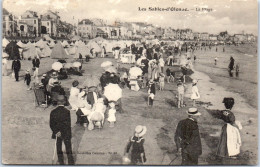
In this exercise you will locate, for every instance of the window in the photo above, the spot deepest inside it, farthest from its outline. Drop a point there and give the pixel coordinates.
(47, 23)
(34, 21)
(47, 29)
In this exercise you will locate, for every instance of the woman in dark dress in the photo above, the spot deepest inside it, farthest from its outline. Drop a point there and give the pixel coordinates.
(229, 118)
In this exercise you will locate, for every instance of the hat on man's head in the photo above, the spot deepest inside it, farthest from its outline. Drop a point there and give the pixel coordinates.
(61, 100)
(193, 111)
(140, 130)
(151, 81)
(44, 75)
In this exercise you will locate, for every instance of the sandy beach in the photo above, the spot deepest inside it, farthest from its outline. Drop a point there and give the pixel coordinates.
(27, 137)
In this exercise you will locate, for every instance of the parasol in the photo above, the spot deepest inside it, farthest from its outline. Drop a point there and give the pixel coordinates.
(91, 81)
(68, 65)
(111, 69)
(113, 92)
(76, 64)
(106, 64)
(56, 66)
(135, 71)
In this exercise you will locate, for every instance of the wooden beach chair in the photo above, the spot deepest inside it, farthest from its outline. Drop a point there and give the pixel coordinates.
(40, 99)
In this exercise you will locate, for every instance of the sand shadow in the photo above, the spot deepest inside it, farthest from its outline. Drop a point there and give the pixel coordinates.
(171, 102)
(115, 159)
(77, 134)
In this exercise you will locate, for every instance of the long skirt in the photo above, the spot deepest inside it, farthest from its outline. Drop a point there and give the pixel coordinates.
(222, 150)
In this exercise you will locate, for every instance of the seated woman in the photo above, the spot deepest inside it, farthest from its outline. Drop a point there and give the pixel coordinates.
(54, 78)
(84, 109)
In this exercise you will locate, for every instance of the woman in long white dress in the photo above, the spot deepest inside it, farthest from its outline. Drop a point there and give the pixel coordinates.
(74, 92)
(195, 92)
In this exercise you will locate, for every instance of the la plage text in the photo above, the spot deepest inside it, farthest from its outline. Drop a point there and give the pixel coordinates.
(168, 9)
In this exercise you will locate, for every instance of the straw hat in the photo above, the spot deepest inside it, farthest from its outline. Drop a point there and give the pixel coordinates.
(140, 130)
(151, 81)
(193, 111)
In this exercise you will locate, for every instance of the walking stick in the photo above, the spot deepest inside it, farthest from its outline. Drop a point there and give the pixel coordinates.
(54, 151)
(174, 159)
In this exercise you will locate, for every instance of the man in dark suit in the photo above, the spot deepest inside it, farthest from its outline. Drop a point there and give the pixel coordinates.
(187, 138)
(60, 124)
(36, 64)
(16, 66)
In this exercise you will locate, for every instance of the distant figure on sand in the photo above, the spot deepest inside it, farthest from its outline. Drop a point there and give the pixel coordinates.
(195, 92)
(216, 59)
(231, 66)
(237, 69)
(194, 58)
(180, 88)
(16, 66)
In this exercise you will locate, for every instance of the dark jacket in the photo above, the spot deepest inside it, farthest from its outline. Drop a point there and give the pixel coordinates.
(152, 88)
(16, 65)
(36, 62)
(60, 122)
(187, 137)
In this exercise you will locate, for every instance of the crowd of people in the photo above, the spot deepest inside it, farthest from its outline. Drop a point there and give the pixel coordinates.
(92, 107)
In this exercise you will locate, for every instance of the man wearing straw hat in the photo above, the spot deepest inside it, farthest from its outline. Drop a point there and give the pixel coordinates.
(187, 138)
(60, 124)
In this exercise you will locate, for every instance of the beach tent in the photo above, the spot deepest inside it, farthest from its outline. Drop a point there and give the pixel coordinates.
(58, 52)
(72, 50)
(12, 49)
(47, 37)
(84, 50)
(75, 38)
(5, 42)
(108, 46)
(20, 44)
(30, 52)
(41, 44)
(46, 51)
(51, 44)
(65, 43)
(94, 45)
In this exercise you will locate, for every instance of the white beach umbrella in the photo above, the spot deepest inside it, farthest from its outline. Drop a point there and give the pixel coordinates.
(135, 71)
(76, 64)
(106, 64)
(113, 92)
(56, 66)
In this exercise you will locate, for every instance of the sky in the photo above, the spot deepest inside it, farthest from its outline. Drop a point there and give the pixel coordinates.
(233, 16)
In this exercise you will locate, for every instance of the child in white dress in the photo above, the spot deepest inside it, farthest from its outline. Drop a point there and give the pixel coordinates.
(111, 115)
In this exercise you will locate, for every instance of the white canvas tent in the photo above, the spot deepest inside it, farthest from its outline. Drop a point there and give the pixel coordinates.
(5, 42)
